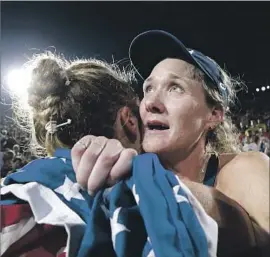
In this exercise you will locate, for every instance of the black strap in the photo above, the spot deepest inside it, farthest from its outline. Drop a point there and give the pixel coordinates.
(211, 171)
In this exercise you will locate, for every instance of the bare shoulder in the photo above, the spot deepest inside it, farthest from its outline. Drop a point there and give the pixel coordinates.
(242, 167)
(241, 164)
(245, 179)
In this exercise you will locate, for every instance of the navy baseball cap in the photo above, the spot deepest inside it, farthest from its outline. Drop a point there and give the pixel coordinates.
(151, 47)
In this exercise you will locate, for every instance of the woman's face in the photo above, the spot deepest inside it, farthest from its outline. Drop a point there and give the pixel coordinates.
(173, 111)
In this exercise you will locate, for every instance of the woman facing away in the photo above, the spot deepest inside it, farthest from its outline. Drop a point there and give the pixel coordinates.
(185, 116)
(66, 101)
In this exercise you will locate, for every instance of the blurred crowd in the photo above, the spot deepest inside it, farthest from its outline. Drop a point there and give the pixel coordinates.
(14, 152)
(254, 130)
(254, 136)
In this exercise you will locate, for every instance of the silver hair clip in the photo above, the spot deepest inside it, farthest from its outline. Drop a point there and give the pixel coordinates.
(67, 83)
(65, 75)
(52, 127)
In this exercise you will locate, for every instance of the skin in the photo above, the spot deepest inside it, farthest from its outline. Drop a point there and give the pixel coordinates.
(174, 98)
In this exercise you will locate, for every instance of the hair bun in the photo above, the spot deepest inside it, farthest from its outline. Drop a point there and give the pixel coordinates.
(48, 78)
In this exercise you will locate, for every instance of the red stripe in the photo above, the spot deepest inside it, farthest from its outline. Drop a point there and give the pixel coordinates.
(40, 252)
(43, 240)
(12, 214)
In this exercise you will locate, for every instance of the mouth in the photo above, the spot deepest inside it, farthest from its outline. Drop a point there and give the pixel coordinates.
(156, 126)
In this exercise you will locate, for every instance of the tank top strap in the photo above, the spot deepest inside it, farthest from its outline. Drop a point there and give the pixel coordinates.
(211, 171)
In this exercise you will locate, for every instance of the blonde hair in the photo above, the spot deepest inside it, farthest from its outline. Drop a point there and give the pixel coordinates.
(90, 92)
(224, 138)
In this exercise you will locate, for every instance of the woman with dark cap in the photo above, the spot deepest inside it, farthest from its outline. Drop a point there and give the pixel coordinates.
(185, 116)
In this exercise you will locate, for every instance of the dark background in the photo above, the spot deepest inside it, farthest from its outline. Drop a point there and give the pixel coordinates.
(235, 34)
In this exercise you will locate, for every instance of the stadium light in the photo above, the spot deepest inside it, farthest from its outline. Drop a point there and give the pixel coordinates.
(263, 88)
(18, 81)
(268, 87)
(257, 89)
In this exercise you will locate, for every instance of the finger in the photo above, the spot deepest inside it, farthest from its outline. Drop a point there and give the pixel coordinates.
(104, 164)
(89, 158)
(78, 150)
(122, 167)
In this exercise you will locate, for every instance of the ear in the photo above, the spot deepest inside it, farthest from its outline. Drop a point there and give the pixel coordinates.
(129, 123)
(216, 117)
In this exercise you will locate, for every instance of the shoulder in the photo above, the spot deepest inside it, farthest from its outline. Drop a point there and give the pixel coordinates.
(245, 165)
(245, 179)
(244, 162)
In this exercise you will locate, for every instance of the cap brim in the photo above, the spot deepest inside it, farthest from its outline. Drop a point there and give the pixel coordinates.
(149, 48)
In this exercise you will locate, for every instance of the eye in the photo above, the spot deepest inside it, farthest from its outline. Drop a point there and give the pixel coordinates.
(176, 88)
(147, 88)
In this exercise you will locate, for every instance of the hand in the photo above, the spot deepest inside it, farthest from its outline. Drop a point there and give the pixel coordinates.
(98, 161)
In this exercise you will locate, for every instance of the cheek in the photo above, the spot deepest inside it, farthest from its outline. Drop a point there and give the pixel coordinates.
(189, 115)
(197, 110)
(182, 110)
(142, 110)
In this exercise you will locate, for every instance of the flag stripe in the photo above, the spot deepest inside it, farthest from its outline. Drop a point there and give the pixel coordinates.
(40, 239)
(12, 214)
(12, 233)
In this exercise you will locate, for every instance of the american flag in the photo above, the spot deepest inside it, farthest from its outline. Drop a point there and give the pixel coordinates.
(44, 212)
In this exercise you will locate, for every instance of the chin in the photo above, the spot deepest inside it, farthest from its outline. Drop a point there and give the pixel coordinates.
(154, 147)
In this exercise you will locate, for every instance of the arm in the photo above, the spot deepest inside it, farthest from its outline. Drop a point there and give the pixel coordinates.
(245, 179)
(235, 228)
(216, 204)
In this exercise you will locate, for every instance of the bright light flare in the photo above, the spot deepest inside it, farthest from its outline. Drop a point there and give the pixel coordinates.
(257, 89)
(263, 88)
(17, 82)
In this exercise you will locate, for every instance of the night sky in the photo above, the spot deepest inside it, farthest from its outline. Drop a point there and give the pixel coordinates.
(235, 34)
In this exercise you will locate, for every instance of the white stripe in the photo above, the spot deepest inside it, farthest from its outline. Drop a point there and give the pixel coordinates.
(14, 232)
(47, 208)
(208, 224)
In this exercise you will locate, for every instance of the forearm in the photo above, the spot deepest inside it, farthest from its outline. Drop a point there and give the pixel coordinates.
(235, 226)
(216, 204)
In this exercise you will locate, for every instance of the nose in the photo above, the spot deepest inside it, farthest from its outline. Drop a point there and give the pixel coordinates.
(154, 104)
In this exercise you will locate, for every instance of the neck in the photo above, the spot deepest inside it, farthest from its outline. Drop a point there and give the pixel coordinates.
(187, 164)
